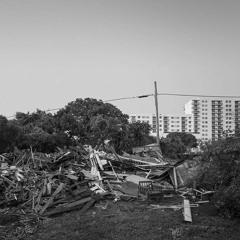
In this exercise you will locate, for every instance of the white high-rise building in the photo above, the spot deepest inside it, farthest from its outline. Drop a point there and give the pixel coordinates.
(212, 117)
(205, 118)
(167, 123)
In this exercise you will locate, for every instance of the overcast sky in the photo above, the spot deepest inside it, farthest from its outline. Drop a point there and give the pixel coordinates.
(54, 51)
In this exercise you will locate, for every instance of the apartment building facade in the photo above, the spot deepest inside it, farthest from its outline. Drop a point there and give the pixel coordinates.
(167, 123)
(205, 118)
(213, 117)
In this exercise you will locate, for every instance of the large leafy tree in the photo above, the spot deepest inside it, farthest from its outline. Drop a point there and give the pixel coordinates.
(10, 134)
(40, 131)
(177, 143)
(133, 135)
(88, 121)
(91, 121)
(40, 120)
(187, 139)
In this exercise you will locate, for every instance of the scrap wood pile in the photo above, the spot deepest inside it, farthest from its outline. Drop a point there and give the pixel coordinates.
(38, 183)
(35, 186)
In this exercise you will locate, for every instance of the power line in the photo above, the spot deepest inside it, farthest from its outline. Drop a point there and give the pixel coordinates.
(149, 95)
(173, 94)
(116, 99)
(196, 95)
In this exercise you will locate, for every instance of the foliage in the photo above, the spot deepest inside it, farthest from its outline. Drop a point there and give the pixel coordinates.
(10, 135)
(90, 120)
(133, 135)
(187, 139)
(36, 120)
(177, 143)
(222, 174)
(36, 130)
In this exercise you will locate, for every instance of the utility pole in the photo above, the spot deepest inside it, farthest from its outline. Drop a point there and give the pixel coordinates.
(157, 115)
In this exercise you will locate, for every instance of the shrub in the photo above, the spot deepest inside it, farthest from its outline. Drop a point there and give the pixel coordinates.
(221, 173)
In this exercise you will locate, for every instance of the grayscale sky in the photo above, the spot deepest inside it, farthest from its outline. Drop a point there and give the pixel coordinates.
(54, 51)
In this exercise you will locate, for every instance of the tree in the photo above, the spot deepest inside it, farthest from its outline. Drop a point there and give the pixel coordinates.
(39, 119)
(40, 132)
(187, 139)
(133, 135)
(10, 135)
(90, 121)
(177, 143)
(172, 147)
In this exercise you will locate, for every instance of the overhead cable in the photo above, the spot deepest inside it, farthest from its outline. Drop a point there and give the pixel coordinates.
(159, 94)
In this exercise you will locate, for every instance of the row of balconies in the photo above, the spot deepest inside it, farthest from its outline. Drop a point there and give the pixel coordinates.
(217, 111)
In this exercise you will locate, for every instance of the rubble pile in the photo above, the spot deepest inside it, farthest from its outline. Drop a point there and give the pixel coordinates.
(35, 186)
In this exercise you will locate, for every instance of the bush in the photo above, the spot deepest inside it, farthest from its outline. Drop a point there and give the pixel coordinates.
(221, 173)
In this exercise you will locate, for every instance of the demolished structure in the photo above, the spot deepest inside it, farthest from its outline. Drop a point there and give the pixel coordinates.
(34, 186)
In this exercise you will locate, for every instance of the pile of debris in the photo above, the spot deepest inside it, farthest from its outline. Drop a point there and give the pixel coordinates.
(35, 186)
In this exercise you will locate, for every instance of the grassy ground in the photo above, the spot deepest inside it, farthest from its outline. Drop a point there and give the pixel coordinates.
(135, 221)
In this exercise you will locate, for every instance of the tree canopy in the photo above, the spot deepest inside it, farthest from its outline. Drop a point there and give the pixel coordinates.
(177, 143)
(187, 139)
(85, 121)
(90, 121)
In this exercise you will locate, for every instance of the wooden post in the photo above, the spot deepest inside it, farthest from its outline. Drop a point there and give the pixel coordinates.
(157, 115)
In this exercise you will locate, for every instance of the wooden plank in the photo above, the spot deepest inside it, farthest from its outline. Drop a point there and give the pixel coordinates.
(109, 185)
(87, 206)
(113, 170)
(187, 211)
(50, 200)
(98, 160)
(81, 201)
(68, 207)
(175, 179)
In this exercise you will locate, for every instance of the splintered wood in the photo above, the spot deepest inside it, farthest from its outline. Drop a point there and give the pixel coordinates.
(48, 184)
